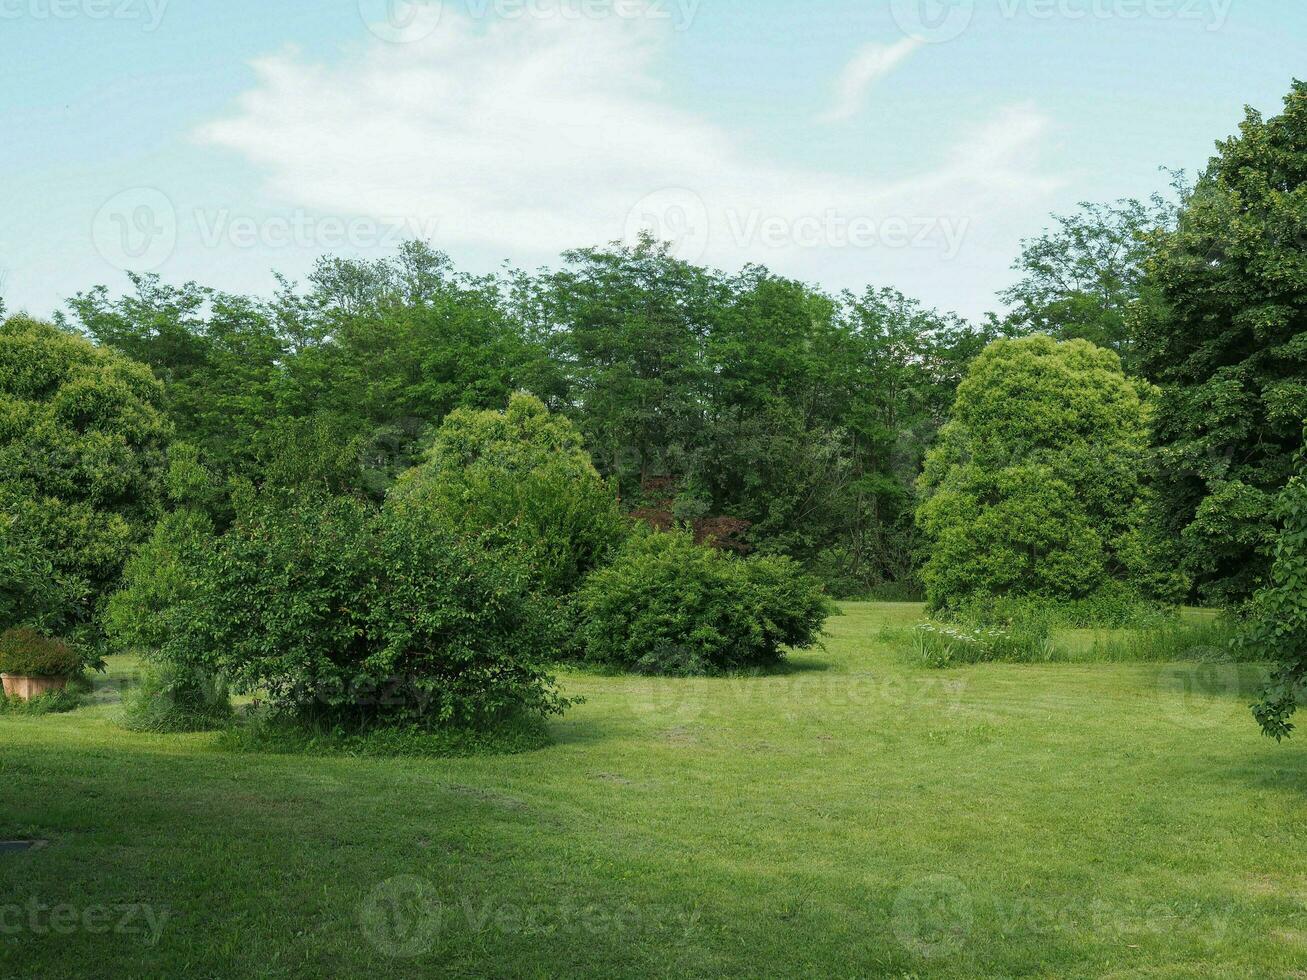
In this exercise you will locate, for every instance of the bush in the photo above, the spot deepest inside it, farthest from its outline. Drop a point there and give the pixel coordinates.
(335, 612)
(174, 699)
(520, 482)
(25, 651)
(1033, 488)
(157, 579)
(82, 438)
(669, 606)
(53, 703)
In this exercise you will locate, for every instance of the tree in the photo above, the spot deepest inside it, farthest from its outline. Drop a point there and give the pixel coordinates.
(1277, 626)
(82, 456)
(627, 325)
(1034, 486)
(521, 483)
(219, 357)
(1082, 278)
(1228, 349)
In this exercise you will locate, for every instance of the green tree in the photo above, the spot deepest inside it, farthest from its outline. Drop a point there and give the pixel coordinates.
(1277, 626)
(1082, 278)
(521, 483)
(82, 456)
(1034, 486)
(1229, 350)
(219, 356)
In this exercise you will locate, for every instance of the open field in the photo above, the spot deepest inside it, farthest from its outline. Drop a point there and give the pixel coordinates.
(854, 816)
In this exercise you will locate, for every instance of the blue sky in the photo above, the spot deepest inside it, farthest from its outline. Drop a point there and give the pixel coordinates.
(909, 143)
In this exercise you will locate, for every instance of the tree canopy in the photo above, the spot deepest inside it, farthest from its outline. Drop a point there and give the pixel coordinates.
(1228, 348)
(1034, 487)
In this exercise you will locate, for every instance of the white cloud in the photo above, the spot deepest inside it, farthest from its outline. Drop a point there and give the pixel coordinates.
(871, 63)
(528, 136)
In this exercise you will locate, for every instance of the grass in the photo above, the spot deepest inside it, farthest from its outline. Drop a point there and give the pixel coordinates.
(855, 816)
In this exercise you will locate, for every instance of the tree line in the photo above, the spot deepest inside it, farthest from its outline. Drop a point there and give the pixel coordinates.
(764, 414)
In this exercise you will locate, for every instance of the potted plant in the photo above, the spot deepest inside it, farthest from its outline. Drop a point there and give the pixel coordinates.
(32, 664)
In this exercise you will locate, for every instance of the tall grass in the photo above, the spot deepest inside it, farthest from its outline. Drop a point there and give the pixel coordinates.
(1053, 634)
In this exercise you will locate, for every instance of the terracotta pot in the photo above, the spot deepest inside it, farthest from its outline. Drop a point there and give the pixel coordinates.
(26, 688)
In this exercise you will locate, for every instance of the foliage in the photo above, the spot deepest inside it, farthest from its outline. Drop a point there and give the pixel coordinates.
(25, 651)
(521, 483)
(793, 419)
(82, 440)
(50, 703)
(1034, 486)
(1229, 351)
(953, 644)
(157, 581)
(32, 591)
(331, 610)
(1277, 622)
(1085, 278)
(770, 415)
(175, 699)
(669, 606)
(218, 356)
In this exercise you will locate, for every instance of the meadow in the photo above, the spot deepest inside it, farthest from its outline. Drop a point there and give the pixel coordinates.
(850, 814)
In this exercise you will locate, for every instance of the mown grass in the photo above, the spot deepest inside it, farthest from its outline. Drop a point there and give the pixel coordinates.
(857, 815)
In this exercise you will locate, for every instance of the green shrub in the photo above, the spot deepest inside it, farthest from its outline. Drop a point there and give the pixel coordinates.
(175, 699)
(668, 606)
(25, 651)
(332, 611)
(82, 439)
(1034, 488)
(53, 703)
(519, 482)
(157, 579)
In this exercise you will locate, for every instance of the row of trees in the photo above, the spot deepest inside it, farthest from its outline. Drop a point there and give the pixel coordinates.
(763, 412)
(768, 416)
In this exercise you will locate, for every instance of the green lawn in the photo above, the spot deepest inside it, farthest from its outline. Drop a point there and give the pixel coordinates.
(855, 816)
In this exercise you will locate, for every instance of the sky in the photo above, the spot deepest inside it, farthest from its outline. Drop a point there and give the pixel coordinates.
(904, 143)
